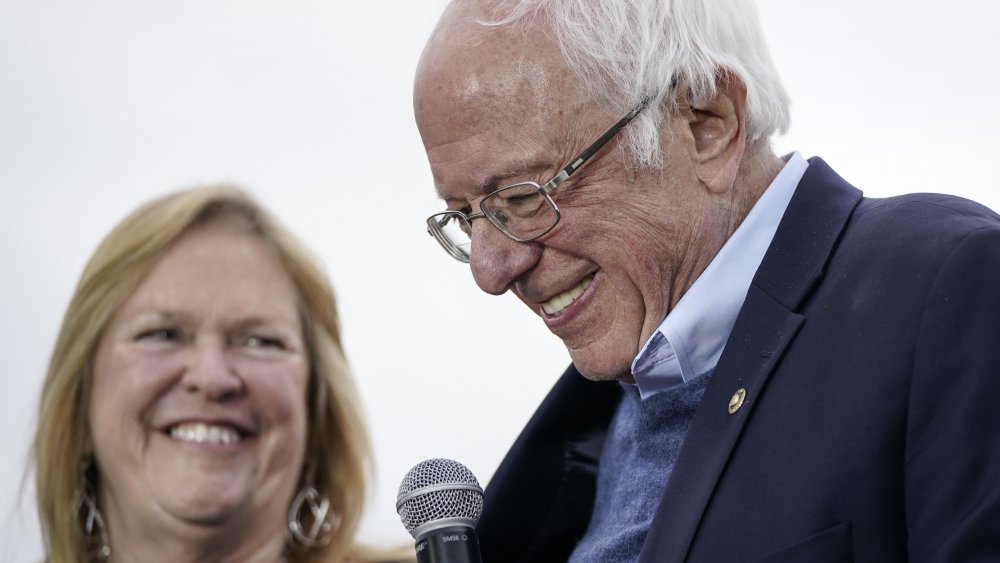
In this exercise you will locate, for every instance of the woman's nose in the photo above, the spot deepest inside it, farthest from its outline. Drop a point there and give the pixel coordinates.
(211, 371)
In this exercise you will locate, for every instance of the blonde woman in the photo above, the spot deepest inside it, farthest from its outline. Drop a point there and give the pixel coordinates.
(198, 406)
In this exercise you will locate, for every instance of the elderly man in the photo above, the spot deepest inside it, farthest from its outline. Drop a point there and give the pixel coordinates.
(767, 366)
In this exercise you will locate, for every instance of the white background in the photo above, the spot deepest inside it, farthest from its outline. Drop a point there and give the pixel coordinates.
(104, 104)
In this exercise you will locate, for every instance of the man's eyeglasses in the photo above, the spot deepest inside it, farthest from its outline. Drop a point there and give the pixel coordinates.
(523, 211)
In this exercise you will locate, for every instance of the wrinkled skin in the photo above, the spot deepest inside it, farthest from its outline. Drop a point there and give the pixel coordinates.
(497, 105)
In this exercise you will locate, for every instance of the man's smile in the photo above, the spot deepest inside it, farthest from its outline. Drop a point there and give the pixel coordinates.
(556, 305)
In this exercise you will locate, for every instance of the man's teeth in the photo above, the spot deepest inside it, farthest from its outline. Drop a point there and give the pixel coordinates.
(201, 433)
(559, 303)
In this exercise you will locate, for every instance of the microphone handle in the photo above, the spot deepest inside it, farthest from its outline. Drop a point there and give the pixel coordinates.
(450, 544)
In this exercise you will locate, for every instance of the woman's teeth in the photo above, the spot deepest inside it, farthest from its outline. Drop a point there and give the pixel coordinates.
(559, 303)
(201, 433)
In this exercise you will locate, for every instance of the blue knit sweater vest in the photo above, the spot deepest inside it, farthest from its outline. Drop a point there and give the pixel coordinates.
(643, 442)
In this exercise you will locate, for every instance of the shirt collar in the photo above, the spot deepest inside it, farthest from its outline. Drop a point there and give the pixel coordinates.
(690, 340)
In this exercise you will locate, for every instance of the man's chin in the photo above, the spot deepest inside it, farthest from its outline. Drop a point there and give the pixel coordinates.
(599, 367)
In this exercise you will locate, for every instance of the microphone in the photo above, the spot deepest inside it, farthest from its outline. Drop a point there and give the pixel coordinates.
(440, 502)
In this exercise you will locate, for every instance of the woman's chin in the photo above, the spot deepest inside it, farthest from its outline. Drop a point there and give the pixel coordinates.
(204, 502)
(200, 494)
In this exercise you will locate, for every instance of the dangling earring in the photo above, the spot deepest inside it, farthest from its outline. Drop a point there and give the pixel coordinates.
(315, 531)
(95, 533)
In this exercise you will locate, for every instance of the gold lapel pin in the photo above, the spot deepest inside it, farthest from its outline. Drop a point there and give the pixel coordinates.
(736, 401)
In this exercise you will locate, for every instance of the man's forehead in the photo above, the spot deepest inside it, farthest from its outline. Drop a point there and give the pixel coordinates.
(492, 66)
(488, 101)
(476, 159)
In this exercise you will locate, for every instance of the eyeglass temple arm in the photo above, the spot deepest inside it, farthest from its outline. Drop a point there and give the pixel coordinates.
(588, 152)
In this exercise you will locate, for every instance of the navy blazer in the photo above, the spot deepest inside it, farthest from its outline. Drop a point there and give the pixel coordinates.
(868, 349)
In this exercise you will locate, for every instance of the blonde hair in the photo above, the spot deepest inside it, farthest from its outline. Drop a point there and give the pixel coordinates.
(337, 450)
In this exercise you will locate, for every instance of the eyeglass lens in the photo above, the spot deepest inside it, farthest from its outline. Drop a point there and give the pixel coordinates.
(521, 211)
(456, 230)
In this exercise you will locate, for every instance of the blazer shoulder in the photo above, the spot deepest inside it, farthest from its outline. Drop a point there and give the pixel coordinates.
(928, 213)
(921, 225)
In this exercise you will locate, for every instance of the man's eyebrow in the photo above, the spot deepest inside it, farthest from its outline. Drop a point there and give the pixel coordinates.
(509, 176)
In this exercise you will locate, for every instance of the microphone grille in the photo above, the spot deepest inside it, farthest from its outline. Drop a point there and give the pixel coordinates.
(436, 489)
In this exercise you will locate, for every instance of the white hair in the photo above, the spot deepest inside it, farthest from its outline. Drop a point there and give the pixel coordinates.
(627, 51)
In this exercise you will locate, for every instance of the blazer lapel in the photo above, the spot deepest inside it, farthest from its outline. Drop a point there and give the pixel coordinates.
(765, 326)
(539, 501)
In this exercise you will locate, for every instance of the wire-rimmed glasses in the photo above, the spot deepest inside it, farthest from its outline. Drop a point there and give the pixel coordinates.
(524, 211)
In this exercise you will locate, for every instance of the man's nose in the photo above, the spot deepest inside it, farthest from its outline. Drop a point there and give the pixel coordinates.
(209, 369)
(497, 260)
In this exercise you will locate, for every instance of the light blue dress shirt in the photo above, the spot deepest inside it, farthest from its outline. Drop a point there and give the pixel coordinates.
(690, 339)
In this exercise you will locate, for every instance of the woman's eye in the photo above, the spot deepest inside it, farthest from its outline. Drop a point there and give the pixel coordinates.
(159, 335)
(257, 341)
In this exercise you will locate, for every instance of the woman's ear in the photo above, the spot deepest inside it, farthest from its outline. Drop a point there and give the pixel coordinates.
(716, 130)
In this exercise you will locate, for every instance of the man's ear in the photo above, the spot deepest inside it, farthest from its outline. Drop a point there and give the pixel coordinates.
(717, 130)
